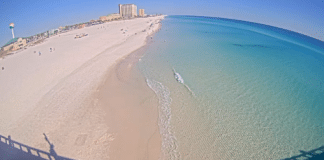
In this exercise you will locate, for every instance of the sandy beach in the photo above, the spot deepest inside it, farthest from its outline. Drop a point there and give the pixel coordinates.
(86, 95)
(132, 111)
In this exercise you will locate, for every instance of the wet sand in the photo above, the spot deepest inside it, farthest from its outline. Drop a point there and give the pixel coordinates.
(132, 111)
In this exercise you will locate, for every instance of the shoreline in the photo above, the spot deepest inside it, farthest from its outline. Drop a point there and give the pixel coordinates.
(132, 109)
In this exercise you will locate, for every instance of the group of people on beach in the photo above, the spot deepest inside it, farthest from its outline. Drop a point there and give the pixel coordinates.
(40, 53)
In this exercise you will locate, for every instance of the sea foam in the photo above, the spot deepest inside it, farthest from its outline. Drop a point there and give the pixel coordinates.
(169, 142)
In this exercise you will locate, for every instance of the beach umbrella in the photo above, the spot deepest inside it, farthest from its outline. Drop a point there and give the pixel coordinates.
(11, 26)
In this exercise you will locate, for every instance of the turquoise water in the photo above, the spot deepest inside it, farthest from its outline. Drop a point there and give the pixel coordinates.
(249, 91)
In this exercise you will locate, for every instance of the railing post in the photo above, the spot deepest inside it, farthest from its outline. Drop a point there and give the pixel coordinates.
(10, 142)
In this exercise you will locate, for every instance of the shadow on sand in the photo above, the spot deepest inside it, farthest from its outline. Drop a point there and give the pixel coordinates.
(315, 154)
(12, 150)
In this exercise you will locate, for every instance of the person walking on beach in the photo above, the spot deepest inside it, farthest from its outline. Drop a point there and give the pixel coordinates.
(50, 49)
(39, 53)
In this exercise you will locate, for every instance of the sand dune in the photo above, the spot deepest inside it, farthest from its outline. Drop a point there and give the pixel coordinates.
(52, 93)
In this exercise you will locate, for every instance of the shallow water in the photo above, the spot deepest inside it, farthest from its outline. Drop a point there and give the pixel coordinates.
(249, 91)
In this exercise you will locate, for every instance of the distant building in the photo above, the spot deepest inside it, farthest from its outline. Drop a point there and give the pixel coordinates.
(81, 26)
(110, 17)
(141, 12)
(14, 44)
(127, 10)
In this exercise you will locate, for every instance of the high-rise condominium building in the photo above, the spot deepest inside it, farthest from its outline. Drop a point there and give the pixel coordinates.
(141, 12)
(128, 10)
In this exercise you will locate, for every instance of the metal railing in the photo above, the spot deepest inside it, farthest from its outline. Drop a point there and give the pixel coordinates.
(8, 145)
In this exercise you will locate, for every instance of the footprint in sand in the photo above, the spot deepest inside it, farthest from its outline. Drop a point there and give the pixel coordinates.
(81, 139)
(104, 139)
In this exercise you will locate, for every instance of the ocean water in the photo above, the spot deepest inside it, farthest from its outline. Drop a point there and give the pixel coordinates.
(231, 89)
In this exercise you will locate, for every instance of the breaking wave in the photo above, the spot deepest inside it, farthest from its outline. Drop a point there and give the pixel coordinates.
(178, 77)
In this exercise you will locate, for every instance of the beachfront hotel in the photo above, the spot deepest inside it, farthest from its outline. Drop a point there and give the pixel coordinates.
(110, 17)
(14, 44)
(128, 10)
(141, 12)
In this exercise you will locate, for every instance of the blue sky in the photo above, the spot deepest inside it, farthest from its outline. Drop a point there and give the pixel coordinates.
(36, 16)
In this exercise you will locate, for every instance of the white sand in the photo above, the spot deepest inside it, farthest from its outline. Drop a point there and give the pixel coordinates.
(51, 93)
